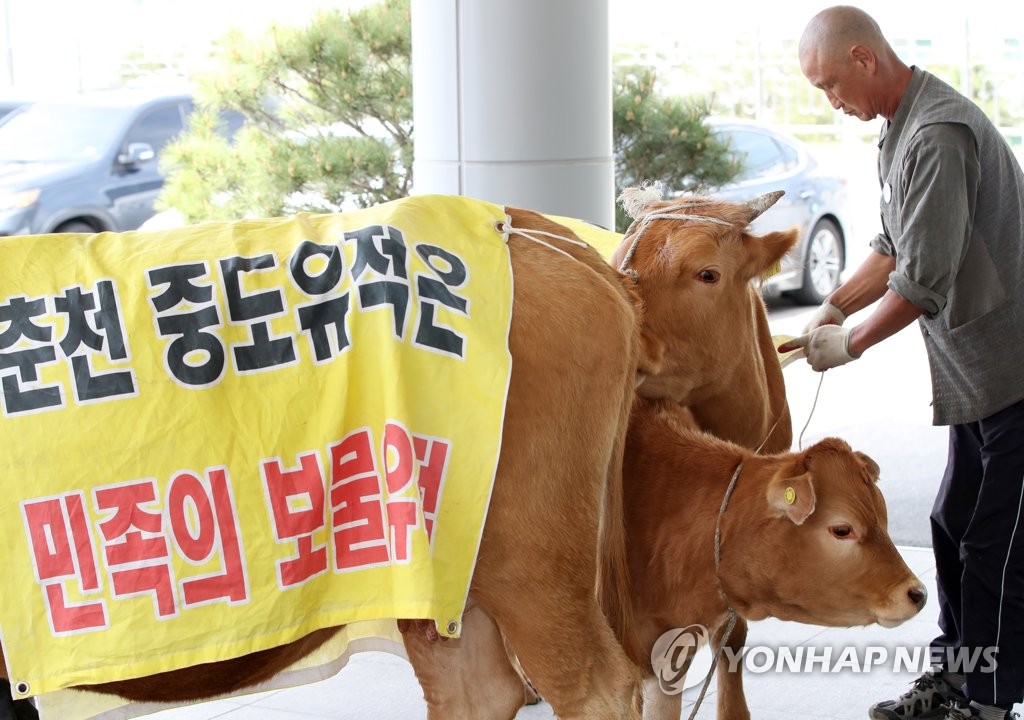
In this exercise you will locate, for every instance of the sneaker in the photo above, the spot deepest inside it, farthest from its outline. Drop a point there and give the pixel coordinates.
(963, 710)
(927, 699)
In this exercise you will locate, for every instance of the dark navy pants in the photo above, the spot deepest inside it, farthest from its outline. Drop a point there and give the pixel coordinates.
(11, 709)
(978, 539)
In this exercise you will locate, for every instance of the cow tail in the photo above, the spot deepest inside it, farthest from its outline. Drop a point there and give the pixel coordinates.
(613, 583)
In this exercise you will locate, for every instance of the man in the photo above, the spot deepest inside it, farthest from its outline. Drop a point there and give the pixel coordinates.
(950, 255)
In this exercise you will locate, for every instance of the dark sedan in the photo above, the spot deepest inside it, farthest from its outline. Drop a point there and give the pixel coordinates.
(88, 163)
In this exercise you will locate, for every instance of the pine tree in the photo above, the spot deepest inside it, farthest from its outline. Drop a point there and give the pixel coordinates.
(329, 124)
(329, 120)
(663, 139)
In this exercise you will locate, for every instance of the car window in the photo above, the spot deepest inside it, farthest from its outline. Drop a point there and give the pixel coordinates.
(760, 154)
(58, 132)
(157, 127)
(231, 122)
(9, 106)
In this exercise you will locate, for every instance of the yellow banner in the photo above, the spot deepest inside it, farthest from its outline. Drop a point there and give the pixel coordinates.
(602, 240)
(216, 439)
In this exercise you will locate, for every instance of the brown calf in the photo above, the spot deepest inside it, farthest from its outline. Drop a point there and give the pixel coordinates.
(802, 537)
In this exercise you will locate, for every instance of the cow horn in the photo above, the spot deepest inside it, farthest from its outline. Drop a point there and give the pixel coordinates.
(634, 200)
(759, 204)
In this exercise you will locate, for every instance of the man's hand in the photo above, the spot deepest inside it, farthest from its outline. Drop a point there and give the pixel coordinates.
(825, 347)
(826, 314)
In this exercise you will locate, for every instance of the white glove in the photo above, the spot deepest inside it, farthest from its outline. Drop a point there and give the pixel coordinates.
(826, 314)
(824, 347)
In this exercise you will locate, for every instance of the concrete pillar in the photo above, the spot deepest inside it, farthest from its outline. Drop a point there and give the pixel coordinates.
(512, 104)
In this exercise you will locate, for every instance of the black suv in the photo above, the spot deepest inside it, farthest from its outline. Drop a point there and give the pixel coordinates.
(90, 163)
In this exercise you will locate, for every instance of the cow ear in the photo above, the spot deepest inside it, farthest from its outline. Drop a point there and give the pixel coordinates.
(765, 252)
(652, 353)
(871, 470)
(792, 496)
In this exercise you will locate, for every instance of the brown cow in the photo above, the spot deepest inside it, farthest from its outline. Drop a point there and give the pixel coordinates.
(705, 328)
(724, 369)
(554, 530)
(802, 537)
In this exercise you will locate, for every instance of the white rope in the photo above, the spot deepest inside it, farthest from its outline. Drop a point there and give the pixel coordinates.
(707, 680)
(665, 213)
(732, 611)
(718, 525)
(800, 441)
(765, 441)
(506, 229)
(733, 615)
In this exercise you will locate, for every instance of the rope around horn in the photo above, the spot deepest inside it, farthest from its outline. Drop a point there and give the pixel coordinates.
(666, 213)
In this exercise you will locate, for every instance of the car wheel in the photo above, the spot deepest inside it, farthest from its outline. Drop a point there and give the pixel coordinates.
(823, 263)
(75, 226)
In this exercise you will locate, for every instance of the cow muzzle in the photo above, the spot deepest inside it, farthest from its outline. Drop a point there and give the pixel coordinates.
(906, 601)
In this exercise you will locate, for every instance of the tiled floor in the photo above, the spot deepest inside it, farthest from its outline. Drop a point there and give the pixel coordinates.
(381, 686)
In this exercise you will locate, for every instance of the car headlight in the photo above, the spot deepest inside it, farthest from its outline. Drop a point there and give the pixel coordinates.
(17, 199)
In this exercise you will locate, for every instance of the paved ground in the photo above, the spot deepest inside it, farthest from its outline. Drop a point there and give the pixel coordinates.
(380, 686)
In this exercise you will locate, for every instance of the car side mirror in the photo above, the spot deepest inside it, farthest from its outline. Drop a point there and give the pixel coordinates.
(136, 154)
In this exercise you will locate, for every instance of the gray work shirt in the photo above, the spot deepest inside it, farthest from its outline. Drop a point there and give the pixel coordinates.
(952, 207)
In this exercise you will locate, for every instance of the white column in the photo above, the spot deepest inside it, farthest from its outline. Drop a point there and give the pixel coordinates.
(512, 104)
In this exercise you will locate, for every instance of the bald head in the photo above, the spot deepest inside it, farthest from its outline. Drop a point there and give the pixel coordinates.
(834, 31)
(843, 53)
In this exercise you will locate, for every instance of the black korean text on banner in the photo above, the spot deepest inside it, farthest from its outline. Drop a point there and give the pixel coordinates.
(78, 326)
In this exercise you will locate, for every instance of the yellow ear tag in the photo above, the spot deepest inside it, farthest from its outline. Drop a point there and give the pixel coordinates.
(790, 496)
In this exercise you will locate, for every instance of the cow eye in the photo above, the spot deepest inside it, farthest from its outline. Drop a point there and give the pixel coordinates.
(842, 532)
(709, 276)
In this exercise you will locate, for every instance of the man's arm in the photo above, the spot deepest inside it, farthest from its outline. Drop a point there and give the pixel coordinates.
(830, 345)
(868, 283)
(892, 315)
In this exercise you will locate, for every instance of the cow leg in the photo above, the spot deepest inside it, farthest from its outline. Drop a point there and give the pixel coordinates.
(659, 705)
(530, 696)
(535, 576)
(556, 509)
(569, 677)
(468, 677)
(732, 703)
